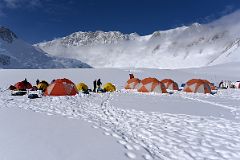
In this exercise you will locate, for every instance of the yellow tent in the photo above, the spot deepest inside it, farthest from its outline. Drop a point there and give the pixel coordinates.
(109, 87)
(82, 87)
(42, 85)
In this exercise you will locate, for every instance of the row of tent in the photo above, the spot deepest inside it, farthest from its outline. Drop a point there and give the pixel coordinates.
(62, 87)
(59, 87)
(154, 85)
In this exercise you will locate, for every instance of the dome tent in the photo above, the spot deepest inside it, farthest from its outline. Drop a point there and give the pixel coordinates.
(42, 85)
(170, 84)
(225, 84)
(23, 85)
(151, 85)
(82, 87)
(210, 84)
(61, 87)
(237, 84)
(20, 88)
(132, 83)
(197, 86)
(109, 87)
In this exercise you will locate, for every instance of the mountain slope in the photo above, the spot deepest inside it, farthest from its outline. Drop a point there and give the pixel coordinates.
(15, 53)
(188, 46)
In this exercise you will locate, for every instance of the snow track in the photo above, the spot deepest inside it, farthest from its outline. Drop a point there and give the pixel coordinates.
(228, 99)
(152, 135)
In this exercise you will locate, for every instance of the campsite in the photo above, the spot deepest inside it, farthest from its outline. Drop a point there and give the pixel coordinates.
(119, 80)
(131, 124)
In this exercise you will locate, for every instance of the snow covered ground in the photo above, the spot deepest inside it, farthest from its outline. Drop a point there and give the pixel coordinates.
(124, 124)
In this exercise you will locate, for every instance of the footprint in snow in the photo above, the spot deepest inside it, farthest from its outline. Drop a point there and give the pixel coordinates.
(128, 147)
(147, 157)
(136, 147)
(107, 134)
(122, 142)
(96, 127)
(105, 129)
(116, 136)
(131, 155)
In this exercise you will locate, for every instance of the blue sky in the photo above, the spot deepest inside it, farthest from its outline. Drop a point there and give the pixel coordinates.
(39, 20)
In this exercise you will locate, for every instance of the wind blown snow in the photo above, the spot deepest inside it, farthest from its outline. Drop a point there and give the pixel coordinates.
(197, 45)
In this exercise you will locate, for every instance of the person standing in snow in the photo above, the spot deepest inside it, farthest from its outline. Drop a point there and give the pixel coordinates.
(37, 81)
(94, 85)
(131, 76)
(99, 84)
(25, 81)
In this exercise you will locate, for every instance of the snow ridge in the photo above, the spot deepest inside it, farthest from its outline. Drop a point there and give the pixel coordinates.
(196, 45)
(98, 37)
(16, 53)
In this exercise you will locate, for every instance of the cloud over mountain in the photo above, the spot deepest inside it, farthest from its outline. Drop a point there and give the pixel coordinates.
(196, 45)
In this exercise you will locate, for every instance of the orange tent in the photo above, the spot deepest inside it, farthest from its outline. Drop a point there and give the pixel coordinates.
(151, 85)
(197, 86)
(170, 84)
(210, 84)
(132, 83)
(61, 87)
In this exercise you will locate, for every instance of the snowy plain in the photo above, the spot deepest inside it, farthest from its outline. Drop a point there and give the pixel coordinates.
(123, 124)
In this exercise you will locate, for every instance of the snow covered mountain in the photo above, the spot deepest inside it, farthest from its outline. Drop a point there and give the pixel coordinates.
(196, 45)
(15, 53)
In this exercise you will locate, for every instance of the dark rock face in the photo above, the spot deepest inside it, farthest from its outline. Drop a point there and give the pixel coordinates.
(15, 53)
(7, 35)
(4, 60)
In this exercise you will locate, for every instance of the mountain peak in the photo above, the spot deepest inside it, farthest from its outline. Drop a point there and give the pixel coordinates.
(196, 24)
(94, 38)
(7, 35)
(20, 54)
(195, 45)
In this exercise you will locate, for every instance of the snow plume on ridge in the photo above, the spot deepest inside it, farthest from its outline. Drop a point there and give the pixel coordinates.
(196, 45)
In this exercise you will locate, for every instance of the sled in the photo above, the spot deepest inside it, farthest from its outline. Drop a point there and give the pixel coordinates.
(35, 94)
(18, 93)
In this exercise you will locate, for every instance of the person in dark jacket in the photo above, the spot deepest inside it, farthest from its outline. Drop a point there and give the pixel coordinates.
(94, 85)
(37, 81)
(99, 84)
(131, 76)
(25, 81)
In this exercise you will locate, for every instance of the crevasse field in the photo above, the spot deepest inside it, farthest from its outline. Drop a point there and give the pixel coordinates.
(124, 124)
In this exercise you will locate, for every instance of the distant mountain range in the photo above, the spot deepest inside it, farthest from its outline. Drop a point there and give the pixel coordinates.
(15, 53)
(196, 45)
